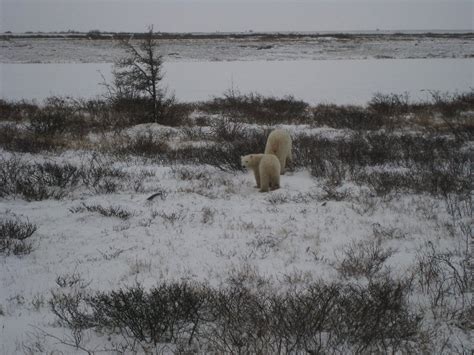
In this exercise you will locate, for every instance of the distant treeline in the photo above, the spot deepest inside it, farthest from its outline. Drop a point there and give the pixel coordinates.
(96, 34)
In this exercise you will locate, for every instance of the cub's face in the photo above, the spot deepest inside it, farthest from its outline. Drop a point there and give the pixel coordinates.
(246, 160)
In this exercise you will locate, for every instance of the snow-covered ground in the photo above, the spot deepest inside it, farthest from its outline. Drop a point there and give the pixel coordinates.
(200, 230)
(325, 81)
(203, 225)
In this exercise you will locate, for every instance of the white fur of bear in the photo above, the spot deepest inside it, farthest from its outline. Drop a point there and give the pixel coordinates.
(279, 144)
(266, 168)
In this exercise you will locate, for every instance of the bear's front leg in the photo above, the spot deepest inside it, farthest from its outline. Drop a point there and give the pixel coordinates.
(257, 177)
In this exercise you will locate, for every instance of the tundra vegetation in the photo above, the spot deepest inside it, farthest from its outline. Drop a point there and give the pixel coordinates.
(396, 287)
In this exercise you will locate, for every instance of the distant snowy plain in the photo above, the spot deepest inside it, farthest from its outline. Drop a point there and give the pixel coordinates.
(328, 68)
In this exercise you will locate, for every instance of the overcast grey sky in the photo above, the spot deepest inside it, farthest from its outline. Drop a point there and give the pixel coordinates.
(235, 15)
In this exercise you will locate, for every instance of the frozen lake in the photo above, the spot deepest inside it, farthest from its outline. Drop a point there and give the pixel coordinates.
(331, 81)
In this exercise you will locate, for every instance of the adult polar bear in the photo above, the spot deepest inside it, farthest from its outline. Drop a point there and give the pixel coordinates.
(279, 144)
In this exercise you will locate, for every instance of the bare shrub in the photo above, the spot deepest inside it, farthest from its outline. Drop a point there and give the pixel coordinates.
(71, 280)
(389, 104)
(377, 318)
(16, 111)
(302, 321)
(109, 211)
(194, 133)
(36, 181)
(145, 145)
(39, 181)
(256, 108)
(250, 316)
(263, 244)
(278, 199)
(63, 176)
(335, 172)
(353, 117)
(333, 194)
(383, 111)
(14, 139)
(53, 118)
(460, 207)
(426, 163)
(187, 173)
(382, 148)
(450, 105)
(313, 151)
(225, 130)
(364, 258)
(70, 304)
(13, 236)
(100, 175)
(171, 217)
(446, 279)
(456, 113)
(165, 314)
(72, 311)
(174, 113)
(240, 323)
(438, 177)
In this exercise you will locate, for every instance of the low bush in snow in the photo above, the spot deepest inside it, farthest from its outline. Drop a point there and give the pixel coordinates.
(53, 118)
(364, 258)
(145, 145)
(15, 139)
(40, 181)
(109, 211)
(13, 236)
(388, 162)
(256, 108)
(445, 278)
(320, 318)
(353, 117)
(16, 110)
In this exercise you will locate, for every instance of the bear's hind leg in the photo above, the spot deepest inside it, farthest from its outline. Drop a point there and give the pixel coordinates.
(282, 159)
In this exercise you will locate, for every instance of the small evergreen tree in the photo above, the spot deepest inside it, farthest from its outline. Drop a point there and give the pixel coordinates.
(137, 76)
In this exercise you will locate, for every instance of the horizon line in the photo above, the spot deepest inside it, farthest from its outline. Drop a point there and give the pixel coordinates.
(247, 31)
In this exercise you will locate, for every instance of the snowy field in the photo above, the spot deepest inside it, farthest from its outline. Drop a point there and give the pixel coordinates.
(316, 68)
(206, 225)
(323, 47)
(377, 198)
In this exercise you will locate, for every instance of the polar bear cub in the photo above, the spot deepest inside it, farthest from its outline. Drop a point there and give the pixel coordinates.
(266, 168)
(279, 143)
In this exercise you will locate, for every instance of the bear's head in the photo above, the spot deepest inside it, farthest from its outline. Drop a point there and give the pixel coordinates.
(251, 160)
(246, 160)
